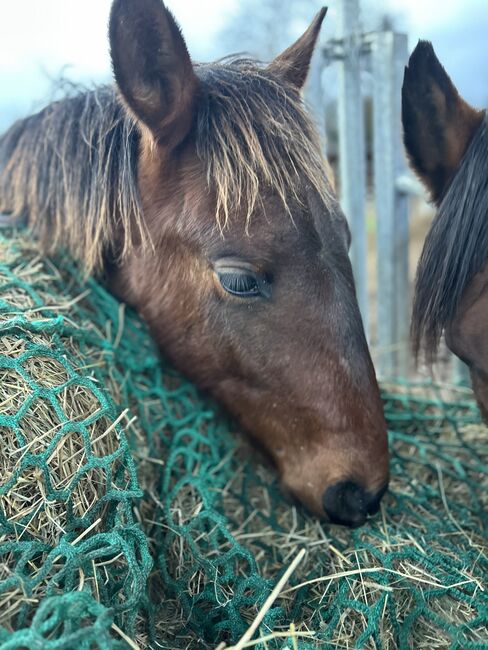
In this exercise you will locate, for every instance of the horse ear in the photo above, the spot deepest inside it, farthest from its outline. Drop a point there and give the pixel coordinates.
(438, 124)
(152, 68)
(293, 64)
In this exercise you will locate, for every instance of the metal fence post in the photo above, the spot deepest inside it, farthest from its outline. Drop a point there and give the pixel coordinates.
(389, 54)
(351, 142)
(460, 372)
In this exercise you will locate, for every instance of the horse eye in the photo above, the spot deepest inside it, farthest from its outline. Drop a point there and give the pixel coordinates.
(242, 284)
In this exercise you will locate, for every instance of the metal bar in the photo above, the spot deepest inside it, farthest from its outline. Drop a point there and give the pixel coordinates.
(352, 172)
(460, 372)
(389, 52)
(408, 184)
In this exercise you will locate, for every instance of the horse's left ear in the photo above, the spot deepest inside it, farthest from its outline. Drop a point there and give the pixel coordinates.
(293, 64)
(152, 68)
(438, 124)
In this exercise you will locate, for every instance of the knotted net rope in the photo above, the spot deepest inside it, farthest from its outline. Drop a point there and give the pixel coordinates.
(133, 515)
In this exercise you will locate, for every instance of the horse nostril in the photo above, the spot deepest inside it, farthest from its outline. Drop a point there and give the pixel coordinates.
(373, 501)
(345, 503)
(348, 504)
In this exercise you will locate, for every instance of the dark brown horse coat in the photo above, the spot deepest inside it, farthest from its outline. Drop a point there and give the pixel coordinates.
(202, 194)
(447, 142)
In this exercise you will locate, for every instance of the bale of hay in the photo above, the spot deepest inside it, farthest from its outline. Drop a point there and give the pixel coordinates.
(211, 514)
(67, 476)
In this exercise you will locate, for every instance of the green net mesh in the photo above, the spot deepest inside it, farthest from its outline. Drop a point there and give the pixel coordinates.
(132, 515)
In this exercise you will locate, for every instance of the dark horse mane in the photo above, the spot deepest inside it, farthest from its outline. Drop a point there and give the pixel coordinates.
(455, 249)
(70, 171)
(72, 168)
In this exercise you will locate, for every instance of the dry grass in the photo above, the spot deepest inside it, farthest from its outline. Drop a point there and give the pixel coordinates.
(33, 498)
(387, 561)
(381, 563)
(25, 504)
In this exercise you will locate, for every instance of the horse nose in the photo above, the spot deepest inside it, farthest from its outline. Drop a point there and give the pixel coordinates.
(345, 503)
(348, 504)
(374, 500)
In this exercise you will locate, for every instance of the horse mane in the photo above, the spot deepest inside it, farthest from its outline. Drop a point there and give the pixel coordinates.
(72, 168)
(253, 131)
(455, 249)
(70, 171)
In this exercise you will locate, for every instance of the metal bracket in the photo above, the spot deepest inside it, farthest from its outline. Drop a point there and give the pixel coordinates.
(338, 49)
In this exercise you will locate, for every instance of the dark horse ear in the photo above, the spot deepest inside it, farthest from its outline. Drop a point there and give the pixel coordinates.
(438, 124)
(152, 68)
(294, 62)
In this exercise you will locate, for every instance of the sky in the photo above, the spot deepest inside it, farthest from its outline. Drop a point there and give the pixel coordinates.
(40, 38)
(458, 30)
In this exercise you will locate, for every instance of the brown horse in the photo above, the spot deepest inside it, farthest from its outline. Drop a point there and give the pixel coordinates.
(447, 142)
(201, 193)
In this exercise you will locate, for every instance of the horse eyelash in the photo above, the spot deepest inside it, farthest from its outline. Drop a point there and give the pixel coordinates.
(239, 283)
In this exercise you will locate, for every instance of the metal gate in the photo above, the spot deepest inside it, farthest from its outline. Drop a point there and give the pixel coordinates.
(385, 54)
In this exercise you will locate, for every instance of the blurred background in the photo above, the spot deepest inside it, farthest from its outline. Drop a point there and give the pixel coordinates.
(43, 41)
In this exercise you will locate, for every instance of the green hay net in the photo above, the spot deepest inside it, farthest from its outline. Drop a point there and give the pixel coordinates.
(132, 515)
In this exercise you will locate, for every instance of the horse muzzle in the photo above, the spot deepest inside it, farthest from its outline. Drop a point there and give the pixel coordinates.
(348, 504)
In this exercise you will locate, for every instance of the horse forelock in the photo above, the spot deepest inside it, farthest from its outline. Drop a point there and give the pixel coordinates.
(253, 134)
(73, 167)
(455, 249)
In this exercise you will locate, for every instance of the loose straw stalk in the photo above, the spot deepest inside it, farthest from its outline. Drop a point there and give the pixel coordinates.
(268, 603)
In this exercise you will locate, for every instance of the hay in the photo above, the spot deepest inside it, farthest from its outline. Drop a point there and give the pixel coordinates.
(63, 452)
(212, 516)
(414, 576)
(388, 559)
(39, 422)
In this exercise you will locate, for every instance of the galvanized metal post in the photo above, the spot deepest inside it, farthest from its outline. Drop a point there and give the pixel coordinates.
(351, 143)
(460, 372)
(389, 52)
